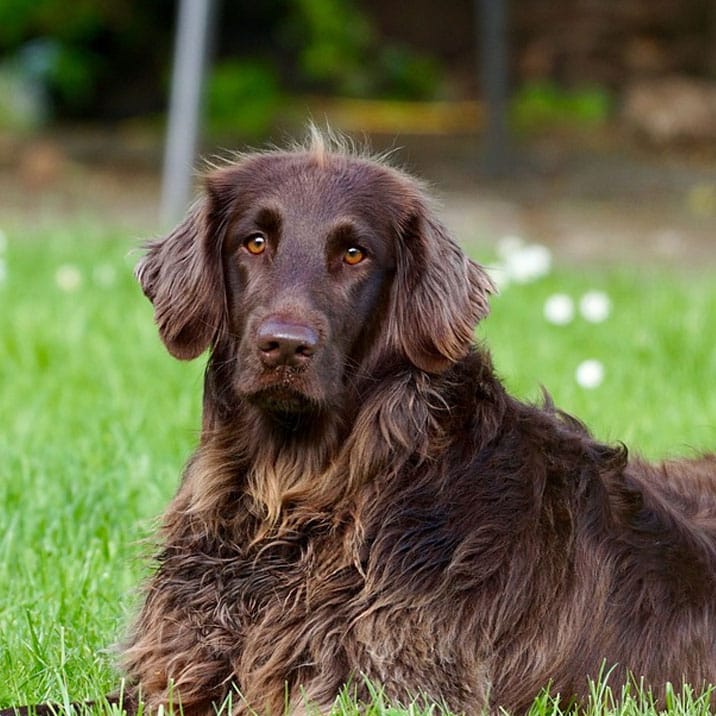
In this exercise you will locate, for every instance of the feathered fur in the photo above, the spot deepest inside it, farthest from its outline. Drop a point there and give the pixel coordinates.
(403, 519)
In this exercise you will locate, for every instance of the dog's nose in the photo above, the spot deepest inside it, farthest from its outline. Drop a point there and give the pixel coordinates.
(285, 343)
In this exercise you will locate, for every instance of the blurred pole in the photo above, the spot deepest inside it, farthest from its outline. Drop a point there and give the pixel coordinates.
(190, 59)
(491, 18)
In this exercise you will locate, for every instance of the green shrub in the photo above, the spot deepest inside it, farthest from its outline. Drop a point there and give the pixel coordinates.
(542, 104)
(243, 97)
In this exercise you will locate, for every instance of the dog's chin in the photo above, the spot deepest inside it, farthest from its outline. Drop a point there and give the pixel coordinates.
(282, 401)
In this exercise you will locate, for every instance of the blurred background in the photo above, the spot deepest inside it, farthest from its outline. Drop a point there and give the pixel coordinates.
(571, 144)
(586, 125)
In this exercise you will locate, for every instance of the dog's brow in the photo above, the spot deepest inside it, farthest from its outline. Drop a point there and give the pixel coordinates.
(347, 227)
(269, 217)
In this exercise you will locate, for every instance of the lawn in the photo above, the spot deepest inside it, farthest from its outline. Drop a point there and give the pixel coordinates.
(96, 421)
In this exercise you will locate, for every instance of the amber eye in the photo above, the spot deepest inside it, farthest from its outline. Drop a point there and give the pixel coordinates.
(353, 256)
(255, 244)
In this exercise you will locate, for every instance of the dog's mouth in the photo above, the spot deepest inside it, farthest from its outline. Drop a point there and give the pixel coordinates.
(283, 400)
(282, 391)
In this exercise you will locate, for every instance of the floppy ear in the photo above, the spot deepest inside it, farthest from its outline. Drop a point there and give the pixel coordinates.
(438, 296)
(181, 275)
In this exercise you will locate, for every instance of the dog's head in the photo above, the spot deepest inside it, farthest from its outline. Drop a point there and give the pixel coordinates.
(302, 268)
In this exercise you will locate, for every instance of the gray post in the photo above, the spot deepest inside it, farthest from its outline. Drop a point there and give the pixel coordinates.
(190, 54)
(491, 17)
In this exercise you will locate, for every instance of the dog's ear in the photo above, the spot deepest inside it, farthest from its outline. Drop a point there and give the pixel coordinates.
(438, 297)
(181, 275)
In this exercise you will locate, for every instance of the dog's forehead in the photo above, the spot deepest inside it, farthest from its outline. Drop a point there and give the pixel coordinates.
(322, 187)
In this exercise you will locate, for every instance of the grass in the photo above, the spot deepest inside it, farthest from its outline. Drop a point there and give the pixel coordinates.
(96, 421)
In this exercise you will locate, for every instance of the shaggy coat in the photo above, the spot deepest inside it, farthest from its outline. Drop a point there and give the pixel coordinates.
(366, 500)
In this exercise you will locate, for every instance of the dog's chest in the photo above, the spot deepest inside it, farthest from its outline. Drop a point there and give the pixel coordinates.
(319, 607)
(305, 613)
(300, 586)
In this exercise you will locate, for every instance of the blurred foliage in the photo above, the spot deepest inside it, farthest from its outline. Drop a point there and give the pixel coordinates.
(243, 96)
(340, 51)
(543, 104)
(70, 23)
(86, 58)
(409, 75)
(112, 58)
(67, 70)
(333, 40)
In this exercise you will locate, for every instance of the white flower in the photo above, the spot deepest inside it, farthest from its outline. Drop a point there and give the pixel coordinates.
(499, 276)
(595, 306)
(559, 309)
(590, 373)
(508, 245)
(520, 262)
(529, 263)
(68, 278)
(104, 275)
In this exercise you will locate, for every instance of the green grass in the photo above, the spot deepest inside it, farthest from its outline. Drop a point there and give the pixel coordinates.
(658, 347)
(96, 421)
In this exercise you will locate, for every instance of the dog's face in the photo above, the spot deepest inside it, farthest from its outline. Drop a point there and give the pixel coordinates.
(306, 264)
(301, 269)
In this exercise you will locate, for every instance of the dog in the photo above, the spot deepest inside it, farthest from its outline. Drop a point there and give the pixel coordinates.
(367, 503)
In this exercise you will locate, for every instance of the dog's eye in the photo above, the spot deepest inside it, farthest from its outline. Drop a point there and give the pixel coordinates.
(353, 256)
(255, 244)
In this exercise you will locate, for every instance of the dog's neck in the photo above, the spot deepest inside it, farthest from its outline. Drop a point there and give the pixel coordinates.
(281, 464)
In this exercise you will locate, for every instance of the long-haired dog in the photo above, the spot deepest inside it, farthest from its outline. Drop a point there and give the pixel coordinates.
(366, 501)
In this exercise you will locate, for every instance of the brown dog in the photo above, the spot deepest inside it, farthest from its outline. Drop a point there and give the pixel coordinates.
(366, 499)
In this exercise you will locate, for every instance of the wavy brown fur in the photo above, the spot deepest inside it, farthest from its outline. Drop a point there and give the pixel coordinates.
(385, 509)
